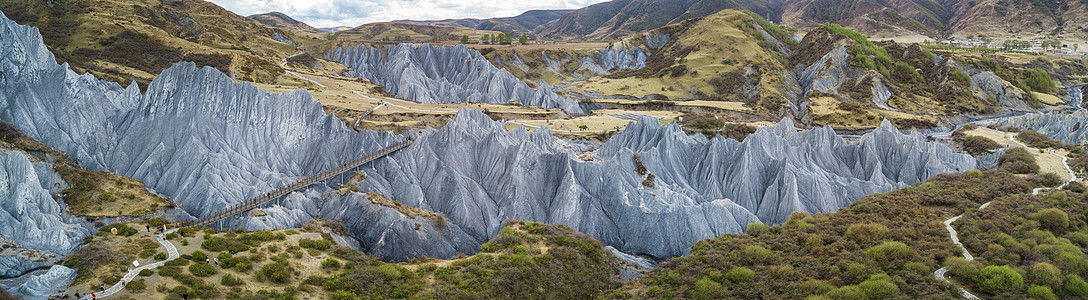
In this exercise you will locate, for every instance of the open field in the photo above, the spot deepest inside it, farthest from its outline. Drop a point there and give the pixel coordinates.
(1048, 163)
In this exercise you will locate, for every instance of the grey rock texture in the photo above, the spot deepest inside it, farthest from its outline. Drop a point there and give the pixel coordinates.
(987, 85)
(1056, 125)
(1076, 95)
(41, 286)
(437, 74)
(282, 39)
(618, 56)
(32, 231)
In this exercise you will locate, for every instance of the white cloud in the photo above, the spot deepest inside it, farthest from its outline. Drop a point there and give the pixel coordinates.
(329, 13)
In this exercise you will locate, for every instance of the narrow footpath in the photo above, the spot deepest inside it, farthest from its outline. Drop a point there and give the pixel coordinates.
(170, 250)
(940, 273)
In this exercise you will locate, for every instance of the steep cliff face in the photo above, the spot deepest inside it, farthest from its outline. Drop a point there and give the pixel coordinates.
(32, 231)
(437, 74)
(1069, 128)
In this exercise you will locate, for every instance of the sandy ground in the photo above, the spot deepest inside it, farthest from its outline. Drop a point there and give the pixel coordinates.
(1048, 163)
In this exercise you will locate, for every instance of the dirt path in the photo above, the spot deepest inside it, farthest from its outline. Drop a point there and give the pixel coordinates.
(170, 249)
(955, 237)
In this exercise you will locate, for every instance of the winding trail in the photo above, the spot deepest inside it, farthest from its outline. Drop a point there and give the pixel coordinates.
(117, 287)
(940, 273)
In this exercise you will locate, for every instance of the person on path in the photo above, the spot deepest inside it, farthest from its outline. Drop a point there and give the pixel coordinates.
(148, 227)
(185, 295)
(103, 287)
(93, 296)
(216, 261)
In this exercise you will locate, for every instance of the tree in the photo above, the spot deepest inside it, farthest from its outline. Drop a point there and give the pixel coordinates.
(464, 39)
(523, 39)
(485, 39)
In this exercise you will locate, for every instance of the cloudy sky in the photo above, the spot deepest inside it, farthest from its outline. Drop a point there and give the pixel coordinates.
(329, 13)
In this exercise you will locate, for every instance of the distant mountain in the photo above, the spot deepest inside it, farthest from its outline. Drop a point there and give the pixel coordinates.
(281, 20)
(396, 31)
(614, 19)
(522, 23)
(1038, 19)
(135, 40)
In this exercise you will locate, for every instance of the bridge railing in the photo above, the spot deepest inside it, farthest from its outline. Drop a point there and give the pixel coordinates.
(301, 183)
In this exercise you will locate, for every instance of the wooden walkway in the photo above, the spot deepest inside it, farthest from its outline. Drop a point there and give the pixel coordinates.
(301, 183)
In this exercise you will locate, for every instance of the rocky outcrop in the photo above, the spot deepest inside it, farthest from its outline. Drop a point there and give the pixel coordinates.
(42, 286)
(1069, 128)
(282, 39)
(1075, 95)
(987, 85)
(437, 74)
(32, 231)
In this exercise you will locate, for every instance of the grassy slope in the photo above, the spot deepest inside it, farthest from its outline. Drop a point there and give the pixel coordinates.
(526, 260)
(810, 256)
(415, 32)
(701, 50)
(125, 40)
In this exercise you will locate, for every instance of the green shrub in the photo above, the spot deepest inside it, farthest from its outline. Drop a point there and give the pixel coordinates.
(888, 252)
(977, 145)
(1018, 161)
(706, 289)
(146, 272)
(160, 256)
(198, 256)
(277, 272)
(996, 279)
(1039, 81)
(755, 229)
(330, 264)
(314, 244)
(1046, 274)
(757, 253)
(1053, 219)
(961, 77)
(879, 289)
(157, 222)
(202, 269)
(740, 275)
(137, 285)
(230, 280)
(1075, 285)
(1041, 293)
(866, 232)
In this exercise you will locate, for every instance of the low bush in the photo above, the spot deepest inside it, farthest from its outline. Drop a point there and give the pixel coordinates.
(314, 244)
(201, 269)
(230, 280)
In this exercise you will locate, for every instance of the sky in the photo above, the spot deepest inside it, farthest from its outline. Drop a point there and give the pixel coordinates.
(330, 13)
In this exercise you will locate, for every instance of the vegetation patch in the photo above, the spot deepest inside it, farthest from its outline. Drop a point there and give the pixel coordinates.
(407, 210)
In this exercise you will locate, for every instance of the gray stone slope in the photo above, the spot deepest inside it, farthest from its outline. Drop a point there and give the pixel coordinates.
(438, 74)
(1069, 128)
(33, 232)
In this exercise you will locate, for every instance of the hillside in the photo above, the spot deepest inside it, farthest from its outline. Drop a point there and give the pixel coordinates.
(131, 40)
(932, 19)
(523, 23)
(405, 32)
(526, 260)
(283, 21)
(614, 19)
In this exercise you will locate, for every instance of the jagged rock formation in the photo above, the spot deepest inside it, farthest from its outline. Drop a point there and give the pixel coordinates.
(628, 54)
(437, 74)
(1076, 95)
(32, 231)
(44, 285)
(987, 85)
(198, 138)
(206, 142)
(1069, 128)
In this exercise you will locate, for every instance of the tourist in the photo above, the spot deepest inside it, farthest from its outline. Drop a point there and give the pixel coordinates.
(93, 296)
(148, 227)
